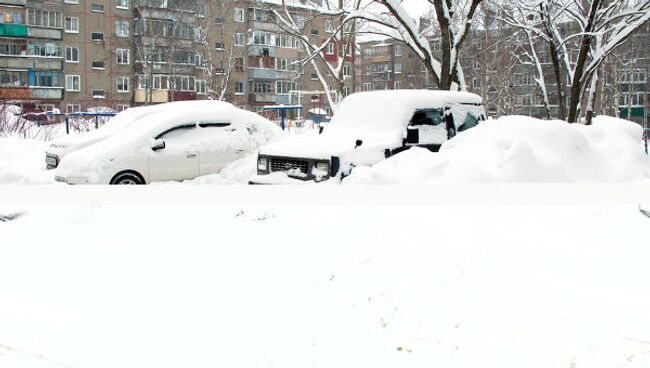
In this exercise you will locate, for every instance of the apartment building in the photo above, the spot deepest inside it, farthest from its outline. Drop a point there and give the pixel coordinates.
(495, 67)
(97, 54)
(31, 53)
(388, 64)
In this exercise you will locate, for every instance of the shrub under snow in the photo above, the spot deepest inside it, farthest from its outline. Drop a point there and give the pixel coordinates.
(522, 149)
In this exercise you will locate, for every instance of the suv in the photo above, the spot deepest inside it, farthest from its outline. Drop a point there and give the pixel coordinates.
(369, 127)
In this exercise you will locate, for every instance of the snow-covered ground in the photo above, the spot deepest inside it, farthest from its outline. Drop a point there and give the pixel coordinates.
(377, 286)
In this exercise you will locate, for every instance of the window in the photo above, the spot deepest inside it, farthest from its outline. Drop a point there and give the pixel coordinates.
(313, 76)
(283, 87)
(477, 65)
(46, 79)
(97, 36)
(427, 117)
(398, 68)
(346, 91)
(122, 28)
(219, 21)
(329, 26)
(122, 84)
(98, 93)
(346, 70)
(183, 83)
(314, 32)
(72, 83)
(72, 24)
(219, 46)
(122, 56)
(262, 87)
(122, 107)
(71, 54)
(239, 87)
(97, 64)
(239, 64)
(282, 64)
(367, 52)
(367, 87)
(45, 18)
(476, 83)
(97, 8)
(239, 39)
(398, 84)
(329, 49)
(635, 99)
(122, 4)
(239, 15)
(72, 108)
(398, 50)
(200, 87)
(71, 1)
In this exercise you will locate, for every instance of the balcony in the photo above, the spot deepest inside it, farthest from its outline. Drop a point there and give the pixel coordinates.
(262, 50)
(51, 33)
(13, 2)
(31, 93)
(13, 30)
(261, 98)
(157, 95)
(32, 63)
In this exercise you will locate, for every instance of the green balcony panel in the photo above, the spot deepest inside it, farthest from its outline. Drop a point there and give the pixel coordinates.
(13, 30)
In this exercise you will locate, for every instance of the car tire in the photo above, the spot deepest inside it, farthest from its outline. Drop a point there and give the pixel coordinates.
(127, 178)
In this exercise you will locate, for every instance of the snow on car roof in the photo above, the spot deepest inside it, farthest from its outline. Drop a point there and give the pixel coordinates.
(391, 109)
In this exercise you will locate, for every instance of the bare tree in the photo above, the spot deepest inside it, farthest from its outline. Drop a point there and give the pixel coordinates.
(580, 35)
(341, 41)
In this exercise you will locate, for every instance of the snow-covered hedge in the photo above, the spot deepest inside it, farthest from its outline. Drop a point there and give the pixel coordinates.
(522, 149)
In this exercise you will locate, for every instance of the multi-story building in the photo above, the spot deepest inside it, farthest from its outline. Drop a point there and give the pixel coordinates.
(495, 67)
(97, 54)
(31, 53)
(79, 55)
(388, 64)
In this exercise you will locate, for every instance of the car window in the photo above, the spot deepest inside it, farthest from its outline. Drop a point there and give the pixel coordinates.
(427, 117)
(175, 131)
(471, 120)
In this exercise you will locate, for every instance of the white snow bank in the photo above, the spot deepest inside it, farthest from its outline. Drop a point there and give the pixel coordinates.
(211, 286)
(22, 161)
(522, 149)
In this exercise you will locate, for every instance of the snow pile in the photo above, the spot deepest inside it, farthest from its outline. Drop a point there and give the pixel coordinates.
(22, 161)
(236, 172)
(522, 149)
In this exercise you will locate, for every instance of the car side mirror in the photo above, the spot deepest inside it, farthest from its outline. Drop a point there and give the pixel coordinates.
(320, 129)
(358, 143)
(158, 144)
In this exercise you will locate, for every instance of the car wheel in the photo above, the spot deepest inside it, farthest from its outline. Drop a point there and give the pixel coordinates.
(127, 178)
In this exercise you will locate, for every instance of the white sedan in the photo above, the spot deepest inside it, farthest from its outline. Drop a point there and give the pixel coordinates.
(182, 140)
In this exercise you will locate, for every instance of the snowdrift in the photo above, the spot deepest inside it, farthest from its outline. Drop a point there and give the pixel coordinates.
(522, 149)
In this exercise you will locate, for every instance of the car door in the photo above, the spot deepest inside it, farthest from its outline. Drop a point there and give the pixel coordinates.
(179, 159)
(220, 146)
(428, 129)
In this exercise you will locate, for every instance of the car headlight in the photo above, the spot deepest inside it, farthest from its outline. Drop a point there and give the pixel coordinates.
(323, 166)
(262, 163)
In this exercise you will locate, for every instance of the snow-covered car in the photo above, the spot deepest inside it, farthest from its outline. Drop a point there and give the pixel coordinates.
(367, 128)
(69, 143)
(180, 141)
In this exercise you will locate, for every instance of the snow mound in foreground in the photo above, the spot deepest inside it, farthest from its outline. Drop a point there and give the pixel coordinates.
(22, 161)
(522, 149)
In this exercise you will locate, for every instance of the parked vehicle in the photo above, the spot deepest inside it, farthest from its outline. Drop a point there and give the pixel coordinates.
(69, 143)
(178, 141)
(367, 128)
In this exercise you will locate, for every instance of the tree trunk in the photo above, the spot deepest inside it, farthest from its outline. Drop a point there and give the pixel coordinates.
(578, 78)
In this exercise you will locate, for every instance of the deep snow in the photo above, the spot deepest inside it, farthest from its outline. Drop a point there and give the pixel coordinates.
(522, 149)
(466, 286)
